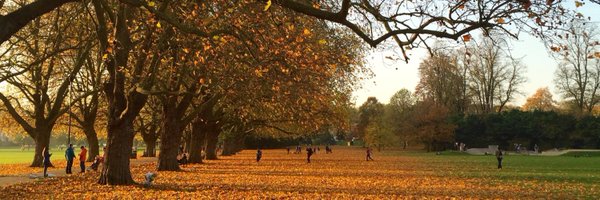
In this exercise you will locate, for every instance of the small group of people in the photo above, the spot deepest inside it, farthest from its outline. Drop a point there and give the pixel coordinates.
(69, 155)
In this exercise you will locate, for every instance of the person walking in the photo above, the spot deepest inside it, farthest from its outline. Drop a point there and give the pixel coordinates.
(82, 157)
(499, 157)
(46, 154)
(258, 155)
(69, 155)
(369, 152)
(309, 153)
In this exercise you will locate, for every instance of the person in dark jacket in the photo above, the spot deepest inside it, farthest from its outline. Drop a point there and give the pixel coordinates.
(46, 154)
(369, 153)
(258, 155)
(499, 157)
(309, 153)
(70, 156)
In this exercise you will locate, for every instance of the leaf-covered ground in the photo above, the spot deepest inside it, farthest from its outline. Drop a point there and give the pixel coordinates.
(342, 175)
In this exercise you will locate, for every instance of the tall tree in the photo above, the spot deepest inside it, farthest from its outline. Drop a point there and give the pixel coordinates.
(398, 116)
(369, 117)
(578, 74)
(494, 75)
(47, 63)
(444, 81)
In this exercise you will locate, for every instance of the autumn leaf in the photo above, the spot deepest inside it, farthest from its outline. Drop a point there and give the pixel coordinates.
(268, 5)
(306, 31)
(158, 25)
(151, 4)
(500, 20)
(578, 4)
(466, 37)
(322, 41)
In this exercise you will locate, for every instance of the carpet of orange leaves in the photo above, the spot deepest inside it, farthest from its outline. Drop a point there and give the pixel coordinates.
(341, 175)
(23, 169)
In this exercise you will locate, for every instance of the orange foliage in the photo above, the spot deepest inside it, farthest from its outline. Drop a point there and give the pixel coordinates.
(342, 175)
(24, 169)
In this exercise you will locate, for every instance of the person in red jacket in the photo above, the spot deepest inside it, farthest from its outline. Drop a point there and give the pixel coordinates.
(82, 156)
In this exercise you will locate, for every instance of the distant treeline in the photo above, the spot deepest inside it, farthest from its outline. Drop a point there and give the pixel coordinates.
(546, 129)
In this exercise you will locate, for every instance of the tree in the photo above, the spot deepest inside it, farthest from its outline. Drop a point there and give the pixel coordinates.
(494, 75)
(578, 74)
(398, 116)
(376, 21)
(41, 67)
(540, 100)
(433, 126)
(148, 125)
(444, 81)
(19, 18)
(369, 125)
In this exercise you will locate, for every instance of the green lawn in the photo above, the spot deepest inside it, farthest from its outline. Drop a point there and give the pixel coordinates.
(15, 155)
(516, 167)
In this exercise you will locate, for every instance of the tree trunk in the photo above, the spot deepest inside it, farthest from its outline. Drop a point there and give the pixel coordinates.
(229, 147)
(150, 147)
(170, 139)
(187, 138)
(92, 138)
(232, 145)
(212, 138)
(42, 140)
(197, 142)
(116, 164)
(240, 144)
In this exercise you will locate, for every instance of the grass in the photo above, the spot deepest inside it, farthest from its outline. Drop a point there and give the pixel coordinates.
(517, 167)
(15, 155)
(344, 175)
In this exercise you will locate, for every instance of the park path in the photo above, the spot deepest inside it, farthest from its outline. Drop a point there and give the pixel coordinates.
(57, 172)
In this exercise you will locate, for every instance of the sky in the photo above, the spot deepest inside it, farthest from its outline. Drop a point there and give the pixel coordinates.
(391, 76)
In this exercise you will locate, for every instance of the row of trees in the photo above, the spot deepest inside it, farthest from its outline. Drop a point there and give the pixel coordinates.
(464, 95)
(214, 67)
(170, 83)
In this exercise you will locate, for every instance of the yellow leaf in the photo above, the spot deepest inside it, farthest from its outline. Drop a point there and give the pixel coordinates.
(268, 5)
(578, 4)
(306, 32)
(151, 3)
(158, 25)
(322, 41)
